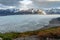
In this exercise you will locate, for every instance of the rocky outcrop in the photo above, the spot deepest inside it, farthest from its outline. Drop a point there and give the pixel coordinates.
(41, 12)
(54, 22)
(34, 37)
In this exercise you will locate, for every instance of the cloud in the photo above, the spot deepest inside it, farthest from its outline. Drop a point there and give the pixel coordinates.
(46, 3)
(45, 0)
(26, 4)
(9, 2)
(53, 0)
(6, 7)
(29, 3)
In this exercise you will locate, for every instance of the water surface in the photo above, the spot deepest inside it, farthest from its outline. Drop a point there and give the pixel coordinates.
(22, 23)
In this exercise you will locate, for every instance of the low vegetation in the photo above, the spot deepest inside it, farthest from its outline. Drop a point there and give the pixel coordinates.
(50, 32)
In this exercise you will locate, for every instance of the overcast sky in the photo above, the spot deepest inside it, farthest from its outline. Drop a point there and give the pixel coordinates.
(29, 3)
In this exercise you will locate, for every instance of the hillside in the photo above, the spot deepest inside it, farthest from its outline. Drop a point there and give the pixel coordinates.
(53, 32)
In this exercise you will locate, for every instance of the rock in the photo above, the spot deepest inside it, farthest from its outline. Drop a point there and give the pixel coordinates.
(34, 37)
(1, 39)
(41, 12)
(54, 22)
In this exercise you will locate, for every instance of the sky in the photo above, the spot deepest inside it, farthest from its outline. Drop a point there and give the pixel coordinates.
(25, 4)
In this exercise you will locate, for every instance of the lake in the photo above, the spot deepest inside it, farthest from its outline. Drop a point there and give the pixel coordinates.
(22, 23)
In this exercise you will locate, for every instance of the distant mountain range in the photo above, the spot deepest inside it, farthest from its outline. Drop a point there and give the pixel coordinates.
(53, 11)
(4, 12)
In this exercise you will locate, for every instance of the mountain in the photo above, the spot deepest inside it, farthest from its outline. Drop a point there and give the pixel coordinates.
(53, 11)
(4, 12)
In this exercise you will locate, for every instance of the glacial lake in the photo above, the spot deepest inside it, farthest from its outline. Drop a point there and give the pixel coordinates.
(22, 23)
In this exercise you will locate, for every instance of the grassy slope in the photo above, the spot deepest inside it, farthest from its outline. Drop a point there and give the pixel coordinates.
(50, 32)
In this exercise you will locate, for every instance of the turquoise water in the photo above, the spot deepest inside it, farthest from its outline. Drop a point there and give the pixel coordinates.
(21, 23)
